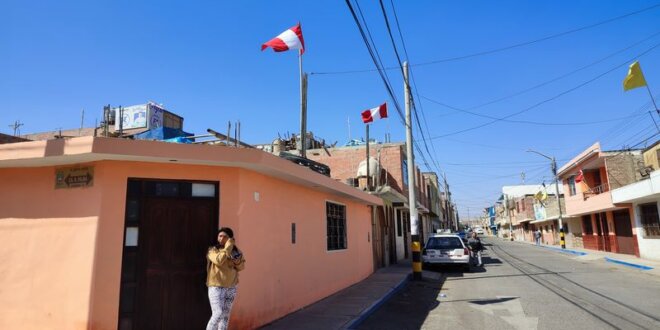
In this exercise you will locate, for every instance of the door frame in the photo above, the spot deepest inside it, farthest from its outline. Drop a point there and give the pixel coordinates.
(137, 191)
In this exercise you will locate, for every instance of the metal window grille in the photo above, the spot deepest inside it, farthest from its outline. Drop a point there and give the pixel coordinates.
(336, 226)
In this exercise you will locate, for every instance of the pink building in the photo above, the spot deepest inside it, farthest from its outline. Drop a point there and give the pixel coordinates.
(606, 226)
(105, 233)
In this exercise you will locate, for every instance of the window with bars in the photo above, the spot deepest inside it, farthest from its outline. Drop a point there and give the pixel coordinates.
(336, 226)
(650, 219)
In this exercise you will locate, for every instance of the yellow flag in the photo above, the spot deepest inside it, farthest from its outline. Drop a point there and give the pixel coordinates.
(635, 77)
(541, 195)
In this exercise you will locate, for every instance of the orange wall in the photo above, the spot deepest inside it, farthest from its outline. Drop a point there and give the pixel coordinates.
(83, 229)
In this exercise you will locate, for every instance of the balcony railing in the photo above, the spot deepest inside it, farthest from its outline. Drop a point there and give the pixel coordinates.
(597, 190)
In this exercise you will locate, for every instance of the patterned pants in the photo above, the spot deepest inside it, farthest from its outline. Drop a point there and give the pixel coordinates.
(221, 300)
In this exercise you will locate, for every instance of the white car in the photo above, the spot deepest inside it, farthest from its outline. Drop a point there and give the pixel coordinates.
(445, 249)
(479, 231)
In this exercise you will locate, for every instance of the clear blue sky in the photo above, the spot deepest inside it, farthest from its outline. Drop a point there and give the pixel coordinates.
(202, 60)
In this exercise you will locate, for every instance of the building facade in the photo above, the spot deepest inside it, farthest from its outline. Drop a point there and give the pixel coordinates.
(588, 180)
(106, 233)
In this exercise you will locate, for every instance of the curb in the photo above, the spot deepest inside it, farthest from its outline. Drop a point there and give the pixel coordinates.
(371, 309)
(628, 264)
(578, 253)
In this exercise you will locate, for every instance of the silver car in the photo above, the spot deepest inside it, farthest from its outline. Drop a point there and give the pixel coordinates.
(446, 249)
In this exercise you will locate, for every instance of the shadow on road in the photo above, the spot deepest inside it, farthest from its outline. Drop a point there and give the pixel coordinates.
(408, 308)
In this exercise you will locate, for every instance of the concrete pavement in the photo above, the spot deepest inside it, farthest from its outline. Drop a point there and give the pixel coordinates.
(649, 267)
(348, 307)
(520, 287)
(523, 287)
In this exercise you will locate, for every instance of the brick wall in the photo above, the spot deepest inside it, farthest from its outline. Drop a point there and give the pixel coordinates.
(344, 161)
(622, 169)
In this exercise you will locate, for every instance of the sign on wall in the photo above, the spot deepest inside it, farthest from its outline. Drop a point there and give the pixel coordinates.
(72, 177)
(539, 211)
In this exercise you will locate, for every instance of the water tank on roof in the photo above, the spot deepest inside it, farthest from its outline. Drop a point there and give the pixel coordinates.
(362, 168)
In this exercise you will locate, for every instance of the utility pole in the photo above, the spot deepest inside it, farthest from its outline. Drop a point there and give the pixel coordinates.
(444, 178)
(412, 201)
(508, 212)
(15, 126)
(562, 239)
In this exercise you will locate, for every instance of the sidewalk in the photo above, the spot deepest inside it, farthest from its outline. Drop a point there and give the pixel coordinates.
(623, 260)
(352, 305)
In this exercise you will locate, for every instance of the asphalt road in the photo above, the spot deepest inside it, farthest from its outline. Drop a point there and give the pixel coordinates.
(522, 286)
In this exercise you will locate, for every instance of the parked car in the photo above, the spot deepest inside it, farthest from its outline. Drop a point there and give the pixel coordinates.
(479, 231)
(463, 235)
(446, 249)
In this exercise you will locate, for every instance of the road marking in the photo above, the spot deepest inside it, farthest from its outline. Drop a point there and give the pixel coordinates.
(509, 309)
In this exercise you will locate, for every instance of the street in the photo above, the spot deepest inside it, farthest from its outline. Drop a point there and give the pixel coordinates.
(522, 286)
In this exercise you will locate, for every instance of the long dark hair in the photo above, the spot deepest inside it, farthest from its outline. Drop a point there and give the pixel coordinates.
(230, 234)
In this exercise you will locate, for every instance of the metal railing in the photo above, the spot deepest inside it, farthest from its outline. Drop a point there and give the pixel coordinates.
(596, 190)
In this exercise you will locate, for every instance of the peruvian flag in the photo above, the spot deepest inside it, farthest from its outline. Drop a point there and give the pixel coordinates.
(289, 39)
(579, 177)
(374, 113)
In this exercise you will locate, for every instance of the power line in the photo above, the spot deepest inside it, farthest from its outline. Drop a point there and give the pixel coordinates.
(373, 52)
(549, 99)
(533, 122)
(501, 49)
(412, 76)
(547, 82)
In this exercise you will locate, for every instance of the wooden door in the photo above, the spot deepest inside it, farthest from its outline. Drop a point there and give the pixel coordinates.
(175, 236)
(624, 235)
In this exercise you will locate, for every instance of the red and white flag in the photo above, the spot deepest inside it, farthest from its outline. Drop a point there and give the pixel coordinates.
(378, 112)
(289, 39)
(579, 177)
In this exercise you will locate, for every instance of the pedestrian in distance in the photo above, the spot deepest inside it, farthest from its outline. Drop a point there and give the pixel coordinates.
(223, 262)
(537, 236)
(474, 243)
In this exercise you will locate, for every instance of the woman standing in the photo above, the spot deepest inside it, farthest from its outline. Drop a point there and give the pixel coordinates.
(224, 261)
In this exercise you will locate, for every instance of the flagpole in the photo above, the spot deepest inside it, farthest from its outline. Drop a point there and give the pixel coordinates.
(303, 112)
(368, 174)
(652, 99)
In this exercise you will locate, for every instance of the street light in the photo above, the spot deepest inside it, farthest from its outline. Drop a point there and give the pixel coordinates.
(554, 172)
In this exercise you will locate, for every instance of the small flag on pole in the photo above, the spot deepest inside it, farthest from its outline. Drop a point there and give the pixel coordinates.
(635, 77)
(289, 39)
(378, 112)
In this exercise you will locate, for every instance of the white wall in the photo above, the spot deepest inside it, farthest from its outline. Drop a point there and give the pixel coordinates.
(649, 248)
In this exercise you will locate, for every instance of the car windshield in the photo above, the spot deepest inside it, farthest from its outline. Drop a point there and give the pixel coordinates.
(444, 243)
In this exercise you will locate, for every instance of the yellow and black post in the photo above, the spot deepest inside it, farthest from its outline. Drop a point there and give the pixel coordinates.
(416, 257)
(562, 239)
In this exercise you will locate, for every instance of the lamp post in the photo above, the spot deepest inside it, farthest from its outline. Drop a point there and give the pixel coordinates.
(554, 172)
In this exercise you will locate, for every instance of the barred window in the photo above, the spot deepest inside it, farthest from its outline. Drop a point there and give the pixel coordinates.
(336, 222)
(650, 220)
